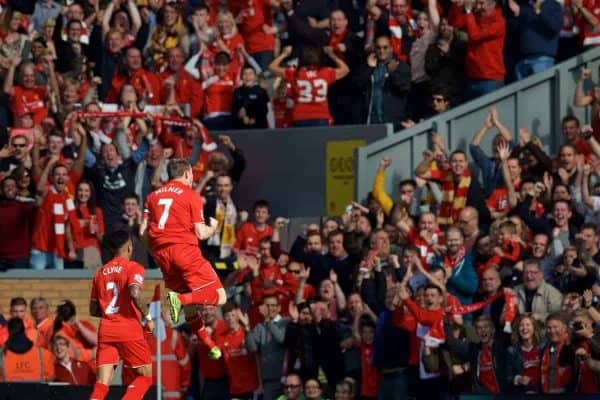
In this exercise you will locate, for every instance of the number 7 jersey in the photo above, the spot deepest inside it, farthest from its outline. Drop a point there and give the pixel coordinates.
(310, 87)
(120, 321)
(172, 212)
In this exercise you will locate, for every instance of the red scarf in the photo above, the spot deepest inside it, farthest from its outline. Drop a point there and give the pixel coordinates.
(485, 370)
(562, 375)
(434, 320)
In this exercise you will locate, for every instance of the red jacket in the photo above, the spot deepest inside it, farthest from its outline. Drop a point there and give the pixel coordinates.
(485, 58)
(80, 374)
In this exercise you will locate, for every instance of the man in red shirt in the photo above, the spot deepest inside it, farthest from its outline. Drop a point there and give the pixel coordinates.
(258, 31)
(175, 220)
(218, 90)
(213, 372)
(240, 363)
(145, 83)
(116, 299)
(251, 233)
(178, 86)
(28, 95)
(571, 130)
(484, 63)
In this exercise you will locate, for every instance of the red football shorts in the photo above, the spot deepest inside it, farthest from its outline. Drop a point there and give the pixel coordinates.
(184, 269)
(134, 353)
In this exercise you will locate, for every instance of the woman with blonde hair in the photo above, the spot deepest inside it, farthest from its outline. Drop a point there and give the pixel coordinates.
(524, 356)
(229, 40)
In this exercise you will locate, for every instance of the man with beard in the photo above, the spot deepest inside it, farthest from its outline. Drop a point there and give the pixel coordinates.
(16, 223)
(567, 165)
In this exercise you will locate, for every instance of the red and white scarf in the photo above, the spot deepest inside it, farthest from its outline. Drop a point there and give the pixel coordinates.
(62, 208)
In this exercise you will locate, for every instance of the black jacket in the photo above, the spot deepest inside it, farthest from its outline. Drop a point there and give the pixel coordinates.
(395, 91)
(447, 69)
(255, 101)
(68, 60)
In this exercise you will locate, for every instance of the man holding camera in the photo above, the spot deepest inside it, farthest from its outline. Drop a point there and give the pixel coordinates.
(584, 354)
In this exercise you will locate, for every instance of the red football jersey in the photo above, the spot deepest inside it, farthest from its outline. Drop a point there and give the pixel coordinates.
(370, 376)
(219, 96)
(257, 14)
(120, 321)
(172, 212)
(33, 100)
(309, 91)
(240, 363)
(248, 237)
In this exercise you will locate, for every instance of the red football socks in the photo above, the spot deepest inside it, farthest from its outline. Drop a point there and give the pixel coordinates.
(208, 296)
(100, 391)
(205, 338)
(137, 388)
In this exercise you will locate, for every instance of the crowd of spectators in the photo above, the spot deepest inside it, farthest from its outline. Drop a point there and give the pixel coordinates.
(418, 296)
(396, 61)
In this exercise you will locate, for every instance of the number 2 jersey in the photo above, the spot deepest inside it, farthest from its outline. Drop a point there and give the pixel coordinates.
(309, 91)
(120, 321)
(172, 212)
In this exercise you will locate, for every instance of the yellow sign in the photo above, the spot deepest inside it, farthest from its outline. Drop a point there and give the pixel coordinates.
(340, 176)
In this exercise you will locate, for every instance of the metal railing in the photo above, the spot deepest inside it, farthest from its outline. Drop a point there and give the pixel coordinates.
(537, 103)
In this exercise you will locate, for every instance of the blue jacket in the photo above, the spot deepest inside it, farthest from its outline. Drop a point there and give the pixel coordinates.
(463, 282)
(491, 170)
(539, 32)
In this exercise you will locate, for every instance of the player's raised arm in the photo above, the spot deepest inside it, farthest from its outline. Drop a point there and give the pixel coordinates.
(204, 231)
